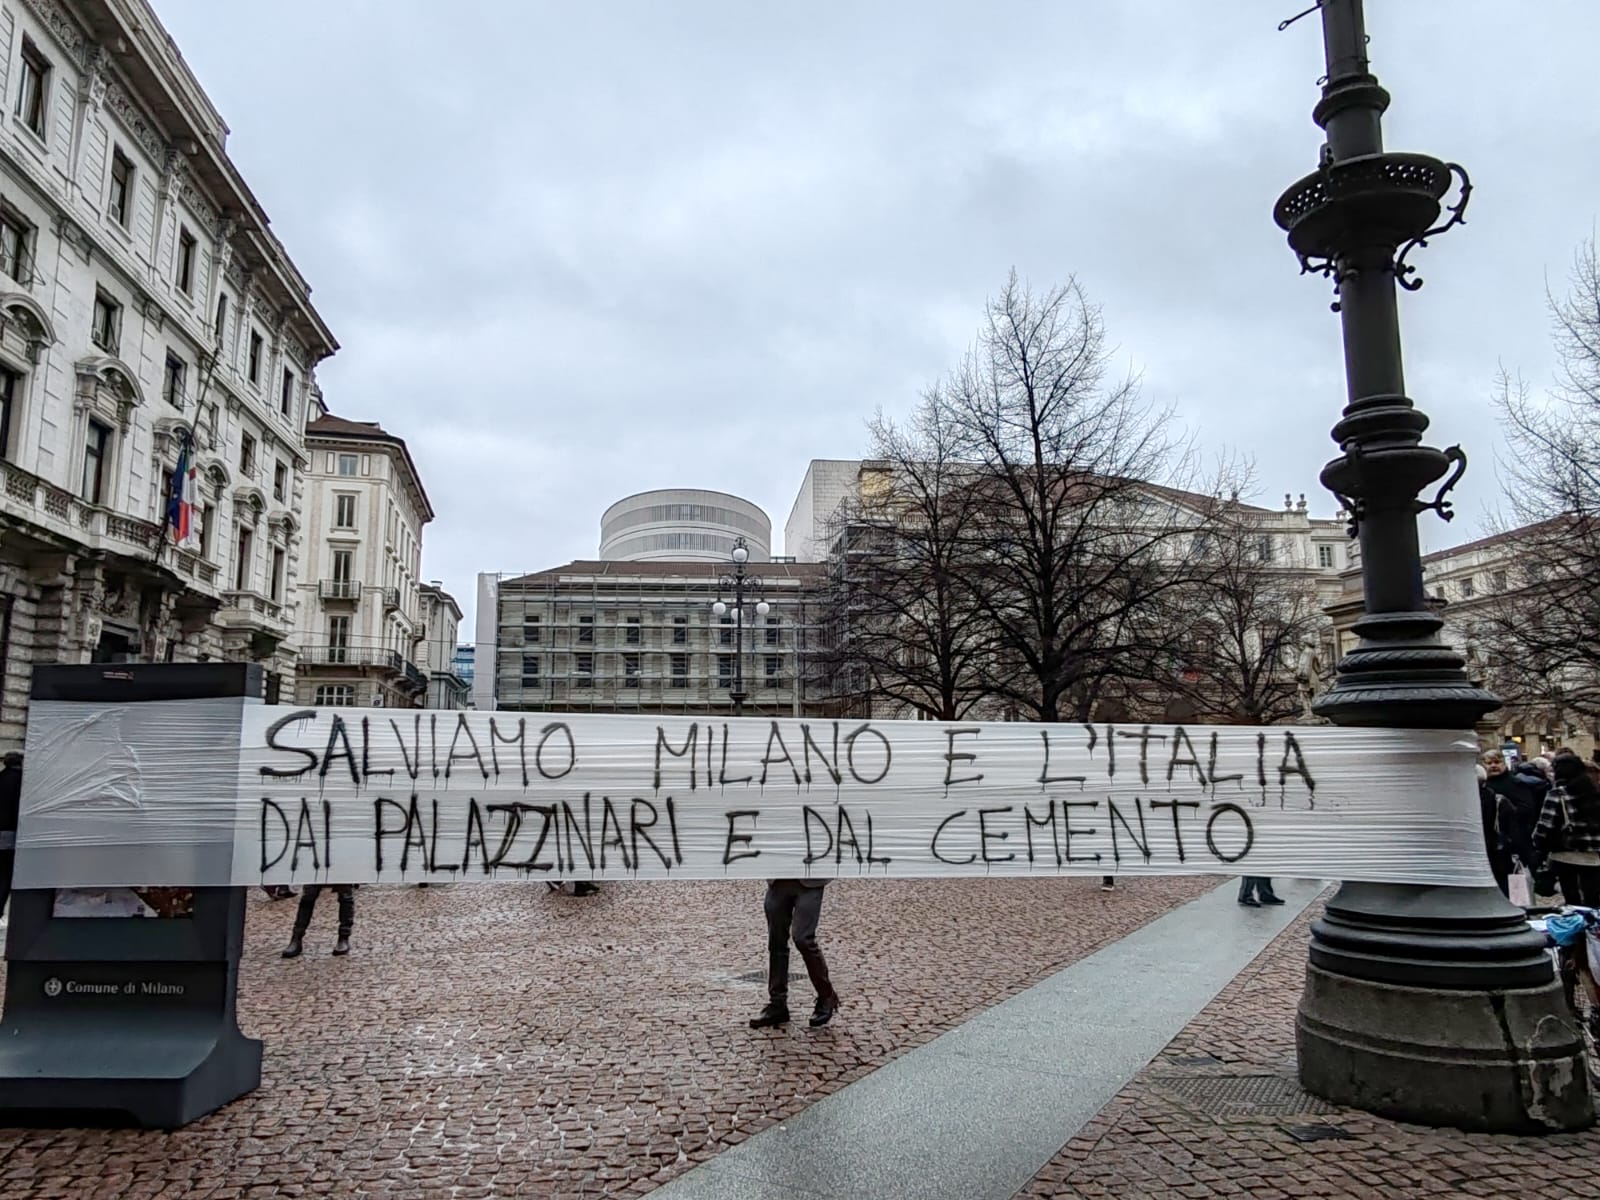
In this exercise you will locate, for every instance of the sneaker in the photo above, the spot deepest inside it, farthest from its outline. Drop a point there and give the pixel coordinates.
(771, 1015)
(826, 1007)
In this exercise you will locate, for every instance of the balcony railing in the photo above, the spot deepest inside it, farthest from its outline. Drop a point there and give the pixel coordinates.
(391, 598)
(352, 656)
(339, 589)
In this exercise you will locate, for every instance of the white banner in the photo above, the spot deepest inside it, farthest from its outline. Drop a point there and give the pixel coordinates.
(379, 796)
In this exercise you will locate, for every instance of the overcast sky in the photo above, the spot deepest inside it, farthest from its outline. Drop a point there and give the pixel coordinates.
(572, 251)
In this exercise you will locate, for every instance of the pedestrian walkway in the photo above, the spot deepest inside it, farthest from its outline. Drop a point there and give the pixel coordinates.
(979, 1110)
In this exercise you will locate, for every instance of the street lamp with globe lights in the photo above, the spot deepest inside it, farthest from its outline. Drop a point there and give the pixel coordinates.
(739, 583)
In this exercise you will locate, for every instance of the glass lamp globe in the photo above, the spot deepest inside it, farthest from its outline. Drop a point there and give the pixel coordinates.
(740, 554)
(763, 609)
(719, 608)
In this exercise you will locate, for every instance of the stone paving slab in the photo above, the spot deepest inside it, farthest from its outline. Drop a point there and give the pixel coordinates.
(1214, 1115)
(503, 1041)
(976, 1112)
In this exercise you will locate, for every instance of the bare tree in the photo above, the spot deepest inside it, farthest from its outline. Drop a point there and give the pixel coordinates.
(1540, 634)
(1071, 551)
(909, 630)
(1252, 621)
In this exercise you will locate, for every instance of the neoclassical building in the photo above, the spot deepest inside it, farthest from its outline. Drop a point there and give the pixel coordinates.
(146, 311)
(364, 614)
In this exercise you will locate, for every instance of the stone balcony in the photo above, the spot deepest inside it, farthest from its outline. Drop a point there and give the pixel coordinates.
(65, 517)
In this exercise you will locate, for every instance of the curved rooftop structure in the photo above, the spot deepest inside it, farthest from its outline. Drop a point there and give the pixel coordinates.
(683, 525)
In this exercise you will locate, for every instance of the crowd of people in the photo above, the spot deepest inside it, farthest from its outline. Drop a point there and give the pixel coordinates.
(1541, 826)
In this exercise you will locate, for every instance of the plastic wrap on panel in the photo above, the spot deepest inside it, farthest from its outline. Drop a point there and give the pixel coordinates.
(119, 795)
(378, 795)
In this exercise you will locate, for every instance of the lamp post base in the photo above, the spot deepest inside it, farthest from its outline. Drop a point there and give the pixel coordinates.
(1438, 1006)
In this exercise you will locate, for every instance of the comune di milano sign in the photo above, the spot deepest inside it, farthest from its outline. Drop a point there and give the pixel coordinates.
(207, 793)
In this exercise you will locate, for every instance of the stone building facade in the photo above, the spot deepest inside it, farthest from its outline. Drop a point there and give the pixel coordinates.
(145, 305)
(361, 615)
(436, 653)
(641, 637)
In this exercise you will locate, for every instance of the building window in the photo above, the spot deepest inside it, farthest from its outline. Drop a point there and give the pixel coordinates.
(241, 565)
(9, 380)
(348, 467)
(286, 402)
(724, 670)
(336, 695)
(1468, 588)
(280, 481)
(16, 247)
(107, 314)
(34, 87)
(725, 634)
(343, 571)
(97, 448)
(247, 455)
(680, 631)
(530, 670)
(633, 633)
(172, 383)
(344, 511)
(532, 632)
(772, 631)
(185, 262)
(585, 631)
(208, 517)
(1324, 555)
(630, 670)
(338, 639)
(1498, 579)
(119, 201)
(773, 666)
(583, 669)
(222, 318)
(277, 574)
(680, 670)
(1264, 548)
(255, 357)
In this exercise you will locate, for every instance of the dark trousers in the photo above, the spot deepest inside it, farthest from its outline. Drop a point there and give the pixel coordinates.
(1255, 887)
(8, 860)
(793, 910)
(1579, 885)
(308, 905)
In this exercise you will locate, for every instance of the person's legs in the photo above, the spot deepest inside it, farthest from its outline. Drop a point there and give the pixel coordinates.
(302, 919)
(1107, 882)
(779, 908)
(807, 915)
(1247, 891)
(1264, 891)
(347, 916)
(8, 861)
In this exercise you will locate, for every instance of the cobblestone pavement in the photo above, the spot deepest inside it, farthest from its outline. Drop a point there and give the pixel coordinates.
(503, 1041)
(1211, 1115)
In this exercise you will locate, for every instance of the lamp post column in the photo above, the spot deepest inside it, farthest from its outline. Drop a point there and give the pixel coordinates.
(1429, 1004)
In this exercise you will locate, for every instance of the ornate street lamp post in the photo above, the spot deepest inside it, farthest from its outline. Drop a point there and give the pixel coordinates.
(1429, 1004)
(739, 583)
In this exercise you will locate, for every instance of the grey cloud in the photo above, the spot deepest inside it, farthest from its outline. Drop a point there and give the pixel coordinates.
(573, 251)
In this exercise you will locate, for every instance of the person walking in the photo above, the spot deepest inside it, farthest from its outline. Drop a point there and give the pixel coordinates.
(793, 909)
(10, 810)
(346, 893)
(1256, 890)
(1569, 830)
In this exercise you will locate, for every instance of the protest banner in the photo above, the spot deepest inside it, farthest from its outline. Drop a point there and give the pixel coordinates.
(115, 798)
